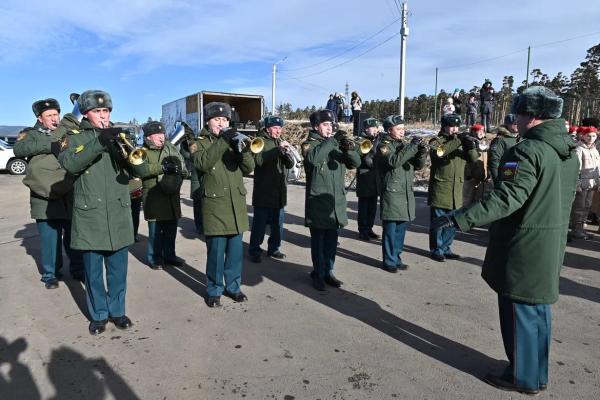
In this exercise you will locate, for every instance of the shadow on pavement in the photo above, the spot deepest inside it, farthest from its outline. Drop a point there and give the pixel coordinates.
(19, 382)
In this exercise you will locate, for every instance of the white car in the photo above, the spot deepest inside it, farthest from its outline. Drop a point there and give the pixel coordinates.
(14, 165)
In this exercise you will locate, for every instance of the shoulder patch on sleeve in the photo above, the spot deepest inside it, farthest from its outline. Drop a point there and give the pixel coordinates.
(79, 148)
(384, 149)
(508, 170)
(193, 147)
(305, 149)
(64, 143)
(21, 136)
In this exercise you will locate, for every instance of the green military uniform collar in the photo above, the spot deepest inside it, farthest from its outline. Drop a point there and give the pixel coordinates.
(314, 135)
(553, 133)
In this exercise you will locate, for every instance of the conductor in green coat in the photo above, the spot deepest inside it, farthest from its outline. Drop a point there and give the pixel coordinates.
(102, 227)
(222, 161)
(396, 162)
(326, 157)
(51, 210)
(529, 215)
(162, 176)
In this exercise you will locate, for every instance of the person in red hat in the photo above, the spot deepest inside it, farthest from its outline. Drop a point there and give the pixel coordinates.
(588, 183)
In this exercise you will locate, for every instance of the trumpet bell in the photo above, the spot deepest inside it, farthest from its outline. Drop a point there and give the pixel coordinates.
(365, 146)
(439, 151)
(257, 145)
(137, 156)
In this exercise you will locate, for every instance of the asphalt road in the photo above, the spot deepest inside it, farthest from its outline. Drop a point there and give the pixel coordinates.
(428, 333)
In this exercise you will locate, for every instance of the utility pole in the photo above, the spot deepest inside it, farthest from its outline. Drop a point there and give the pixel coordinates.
(273, 110)
(347, 90)
(527, 76)
(403, 37)
(435, 98)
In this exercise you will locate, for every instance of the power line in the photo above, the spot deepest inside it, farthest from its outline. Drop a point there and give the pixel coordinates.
(353, 58)
(304, 82)
(519, 51)
(347, 50)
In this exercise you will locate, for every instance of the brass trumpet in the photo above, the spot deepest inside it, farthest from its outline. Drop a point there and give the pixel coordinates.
(243, 142)
(363, 145)
(133, 155)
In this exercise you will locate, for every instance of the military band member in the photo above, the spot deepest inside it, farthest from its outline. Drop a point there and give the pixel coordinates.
(269, 195)
(529, 214)
(221, 168)
(162, 175)
(51, 190)
(508, 136)
(396, 164)
(449, 155)
(366, 183)
(102, 226)
(325, 161)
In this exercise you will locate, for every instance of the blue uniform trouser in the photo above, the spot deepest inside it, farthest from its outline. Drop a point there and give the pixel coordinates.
(440, 239)
(367, 208)
(101, 302)
(53, 232)
(394, 233)
(198, 215)
(161, 241)
(323, 245)
(136, 206)
(224, 261)
(526, 333)
(264, 216)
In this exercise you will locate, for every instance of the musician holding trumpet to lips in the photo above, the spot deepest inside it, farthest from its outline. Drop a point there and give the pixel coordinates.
(102, 227)
(269, 195)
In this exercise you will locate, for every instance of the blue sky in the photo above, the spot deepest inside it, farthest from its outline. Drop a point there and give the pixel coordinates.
(147, 53)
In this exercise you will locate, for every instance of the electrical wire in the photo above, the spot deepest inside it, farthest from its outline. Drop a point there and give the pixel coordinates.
(345, 51)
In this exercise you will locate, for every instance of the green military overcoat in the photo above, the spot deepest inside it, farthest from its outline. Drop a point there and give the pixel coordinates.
(101, 205)
(447, 173)
(34, 143)
(396, 165)
(498, 147)
(529, 215)
(270, 175)
(221, 172)
(158, 205)
(325, 166)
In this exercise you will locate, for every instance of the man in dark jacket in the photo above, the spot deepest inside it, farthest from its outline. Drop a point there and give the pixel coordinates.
(396, 164)
(269, 195)
(508, 136)
(162, 175)
(529, 215)
(487, 101)
(366, 183)
(51, 211)
(326, 158)
(221, 166)
(449, 155)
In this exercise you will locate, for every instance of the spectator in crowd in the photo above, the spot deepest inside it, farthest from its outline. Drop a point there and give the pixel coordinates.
(472, 107)
(332, 104)
(476, 173)
(457, 101)
(589, 179)
(448, 107)
(356, 104)
(487, 100)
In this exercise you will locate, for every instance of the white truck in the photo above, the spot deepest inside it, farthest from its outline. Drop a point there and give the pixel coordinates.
(247, 110)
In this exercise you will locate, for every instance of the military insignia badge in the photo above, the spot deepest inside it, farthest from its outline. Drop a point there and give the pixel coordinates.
(74, 131)
(79, 149)
(384, 149)
(21, 136)
(508, 170)
(64, 143)
(193, 148)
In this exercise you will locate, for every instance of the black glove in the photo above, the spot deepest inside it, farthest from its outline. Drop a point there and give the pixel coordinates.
(416, 140)
(346, 144)
(228, 134)
(339, 135)
(171, 165)
(55, 148)
(445, 221)
(469, 143)
(107, 135)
